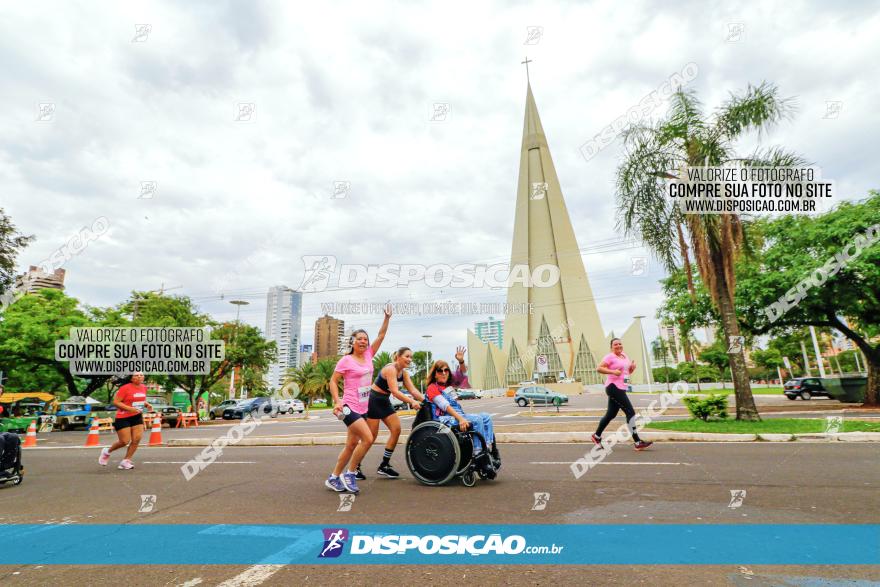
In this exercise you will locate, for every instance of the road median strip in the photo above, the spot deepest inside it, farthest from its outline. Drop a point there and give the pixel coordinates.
(555, 437)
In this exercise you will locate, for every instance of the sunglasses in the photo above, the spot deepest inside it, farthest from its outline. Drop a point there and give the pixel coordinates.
(442, 370)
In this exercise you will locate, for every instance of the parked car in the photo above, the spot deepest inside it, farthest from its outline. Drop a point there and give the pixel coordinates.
(397, 404)
(469, 394)
(170, 414)
(217, 411)
(70, 415)
(535, 394)
(804, 388)
(289, 406)
(257, 406)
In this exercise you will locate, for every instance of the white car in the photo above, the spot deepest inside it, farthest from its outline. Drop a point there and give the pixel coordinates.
(289, 406)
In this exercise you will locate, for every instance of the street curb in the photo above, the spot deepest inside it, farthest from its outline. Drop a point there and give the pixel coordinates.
(553, 437)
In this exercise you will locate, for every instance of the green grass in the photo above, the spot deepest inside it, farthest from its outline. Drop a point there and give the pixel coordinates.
(769, 426)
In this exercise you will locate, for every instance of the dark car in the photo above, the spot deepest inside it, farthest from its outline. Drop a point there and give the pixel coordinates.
(804, 388)
(256, 406)
(170, 414)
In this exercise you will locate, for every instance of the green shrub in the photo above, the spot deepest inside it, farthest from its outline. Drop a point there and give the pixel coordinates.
(711, 407)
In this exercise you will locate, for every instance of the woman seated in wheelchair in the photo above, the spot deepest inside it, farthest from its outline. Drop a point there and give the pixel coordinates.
(446, 409)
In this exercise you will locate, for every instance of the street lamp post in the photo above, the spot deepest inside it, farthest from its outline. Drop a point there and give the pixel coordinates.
(238, 304)
(427, 338)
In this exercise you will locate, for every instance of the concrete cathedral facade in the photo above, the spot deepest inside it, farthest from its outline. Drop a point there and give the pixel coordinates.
(564, 331)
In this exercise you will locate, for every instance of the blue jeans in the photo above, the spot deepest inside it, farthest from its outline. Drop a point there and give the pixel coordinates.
(481, 423)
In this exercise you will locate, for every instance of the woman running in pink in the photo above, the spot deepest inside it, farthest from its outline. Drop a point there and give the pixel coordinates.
(617, 368)
(356, 370)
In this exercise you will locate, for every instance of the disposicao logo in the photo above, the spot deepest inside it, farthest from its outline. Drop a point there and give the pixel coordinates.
(334, 541)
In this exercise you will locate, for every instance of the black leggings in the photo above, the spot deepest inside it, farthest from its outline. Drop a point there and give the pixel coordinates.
(617, 401)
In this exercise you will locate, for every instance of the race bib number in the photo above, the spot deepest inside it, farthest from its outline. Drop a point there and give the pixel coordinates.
(364, 393)
(138, 405)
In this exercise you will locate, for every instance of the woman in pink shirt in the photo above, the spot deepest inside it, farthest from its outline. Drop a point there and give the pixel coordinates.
(356, 371)
(617, 368)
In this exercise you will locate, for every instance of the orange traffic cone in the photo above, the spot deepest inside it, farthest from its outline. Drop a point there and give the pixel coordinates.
(156, 432)
(30, 438)
(93, 438)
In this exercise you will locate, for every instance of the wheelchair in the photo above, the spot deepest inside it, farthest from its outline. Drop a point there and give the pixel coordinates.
(11, 469)
(437, 453)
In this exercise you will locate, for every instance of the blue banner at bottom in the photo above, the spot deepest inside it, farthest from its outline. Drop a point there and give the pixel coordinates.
(516, 544)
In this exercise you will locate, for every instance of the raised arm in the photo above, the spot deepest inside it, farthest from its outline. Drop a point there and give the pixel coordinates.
(377, 342)
(459, 356)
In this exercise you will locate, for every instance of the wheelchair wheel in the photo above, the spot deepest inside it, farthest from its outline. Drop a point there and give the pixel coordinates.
(433, 453)
(469, 479)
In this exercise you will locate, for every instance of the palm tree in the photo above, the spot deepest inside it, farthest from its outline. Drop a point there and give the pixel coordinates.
(380, 360)
(318, 383)
(687, 138)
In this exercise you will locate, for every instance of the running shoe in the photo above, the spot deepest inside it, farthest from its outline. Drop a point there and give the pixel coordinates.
(642, 444)
(126, 464)
(360, 474)
(335, 484)
(349, 480)
(597, 439)
(104, 458)
(387, 471)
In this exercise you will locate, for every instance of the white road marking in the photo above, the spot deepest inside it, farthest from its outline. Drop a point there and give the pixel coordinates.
(254, 575)
(605, 463)
(514, 415)
(215, 462)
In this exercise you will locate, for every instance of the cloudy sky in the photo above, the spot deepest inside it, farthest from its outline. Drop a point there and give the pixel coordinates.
(345, 92)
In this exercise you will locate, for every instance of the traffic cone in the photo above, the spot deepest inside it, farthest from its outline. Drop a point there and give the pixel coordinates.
(93, 438)
(30, 438)
(156, 432)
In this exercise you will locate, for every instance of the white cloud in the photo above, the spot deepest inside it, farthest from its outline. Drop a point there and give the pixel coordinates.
(344, 91)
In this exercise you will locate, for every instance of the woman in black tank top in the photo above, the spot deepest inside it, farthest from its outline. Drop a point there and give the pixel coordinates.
(388, 382)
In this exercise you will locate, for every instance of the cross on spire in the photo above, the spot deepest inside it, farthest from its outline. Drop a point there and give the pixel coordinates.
(526, 63)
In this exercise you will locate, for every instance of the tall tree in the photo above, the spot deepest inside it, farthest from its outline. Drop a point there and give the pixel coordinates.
(794, 250)
(28, 333)
(688, 138)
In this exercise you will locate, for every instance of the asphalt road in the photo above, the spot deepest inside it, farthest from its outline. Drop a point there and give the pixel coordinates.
(672, 483)
(507, 415)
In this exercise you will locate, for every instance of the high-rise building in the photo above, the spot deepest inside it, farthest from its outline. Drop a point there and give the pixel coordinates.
(329, 337)
(283, 325)
(305, 354)
(674, 352)
(36, 279)
(564, 333)
(491, 330)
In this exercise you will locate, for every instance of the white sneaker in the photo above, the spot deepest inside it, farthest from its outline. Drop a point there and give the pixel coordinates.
(104, 458)
(126, 464)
